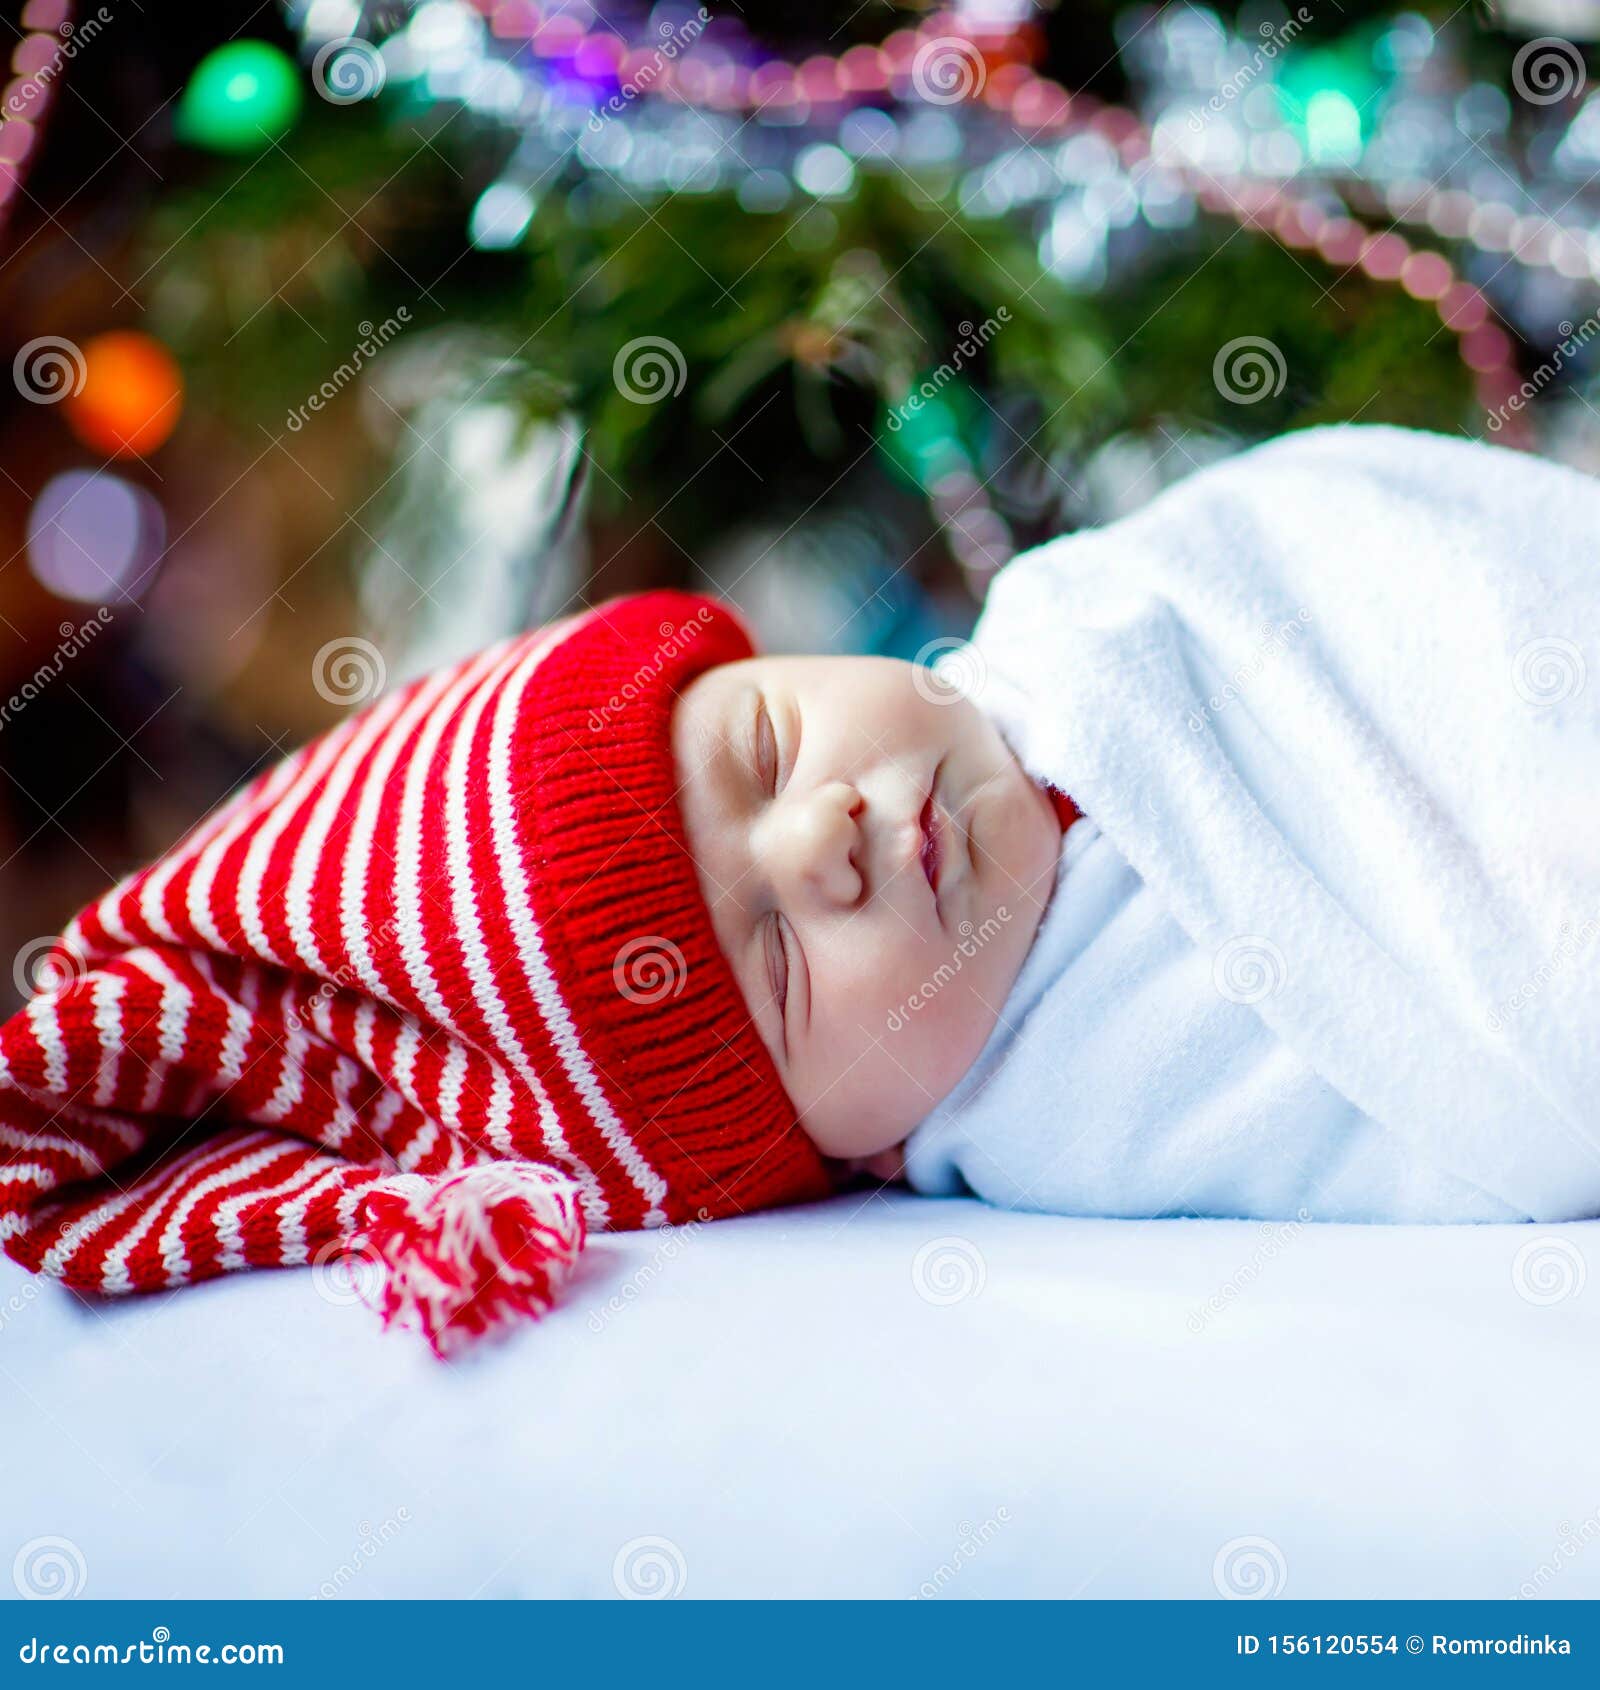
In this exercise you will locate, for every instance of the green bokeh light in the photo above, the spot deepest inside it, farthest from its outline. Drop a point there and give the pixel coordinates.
(240, 98)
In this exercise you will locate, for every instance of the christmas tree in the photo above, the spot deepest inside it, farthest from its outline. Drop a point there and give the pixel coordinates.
(379, 331)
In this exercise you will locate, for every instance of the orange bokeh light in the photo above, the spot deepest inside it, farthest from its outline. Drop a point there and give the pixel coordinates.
(131, 395)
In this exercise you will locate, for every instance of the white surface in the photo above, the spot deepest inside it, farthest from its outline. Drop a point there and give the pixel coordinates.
(777, 1399)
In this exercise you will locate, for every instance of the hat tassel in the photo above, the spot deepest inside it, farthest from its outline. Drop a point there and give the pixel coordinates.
(470, 1253)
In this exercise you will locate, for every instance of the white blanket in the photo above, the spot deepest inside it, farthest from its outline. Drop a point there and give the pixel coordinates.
(1119, 1081)
(1382, 1412)
(1331, 700)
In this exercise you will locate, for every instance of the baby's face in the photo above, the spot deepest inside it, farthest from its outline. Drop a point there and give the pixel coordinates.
(876, 863)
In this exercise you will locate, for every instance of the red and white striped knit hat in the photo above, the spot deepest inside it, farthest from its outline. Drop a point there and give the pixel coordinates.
(439, 988)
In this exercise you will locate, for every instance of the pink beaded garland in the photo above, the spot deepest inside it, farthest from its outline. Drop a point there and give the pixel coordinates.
(1038, 104)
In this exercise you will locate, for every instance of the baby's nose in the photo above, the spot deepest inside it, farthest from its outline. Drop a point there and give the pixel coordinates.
(813, 839)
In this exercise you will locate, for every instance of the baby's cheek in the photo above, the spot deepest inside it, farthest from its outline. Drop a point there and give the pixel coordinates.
(892, 1034)
(935, 1029)
(946, 1039)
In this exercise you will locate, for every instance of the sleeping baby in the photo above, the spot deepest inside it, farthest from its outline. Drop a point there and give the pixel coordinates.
(1248, 865)
(1315, 934)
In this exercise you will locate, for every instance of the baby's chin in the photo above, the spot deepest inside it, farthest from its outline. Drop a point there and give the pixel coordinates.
(884, 1167)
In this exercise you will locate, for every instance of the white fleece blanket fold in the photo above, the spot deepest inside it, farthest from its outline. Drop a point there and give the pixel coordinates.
(1119, 1081)
(1337, 702)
